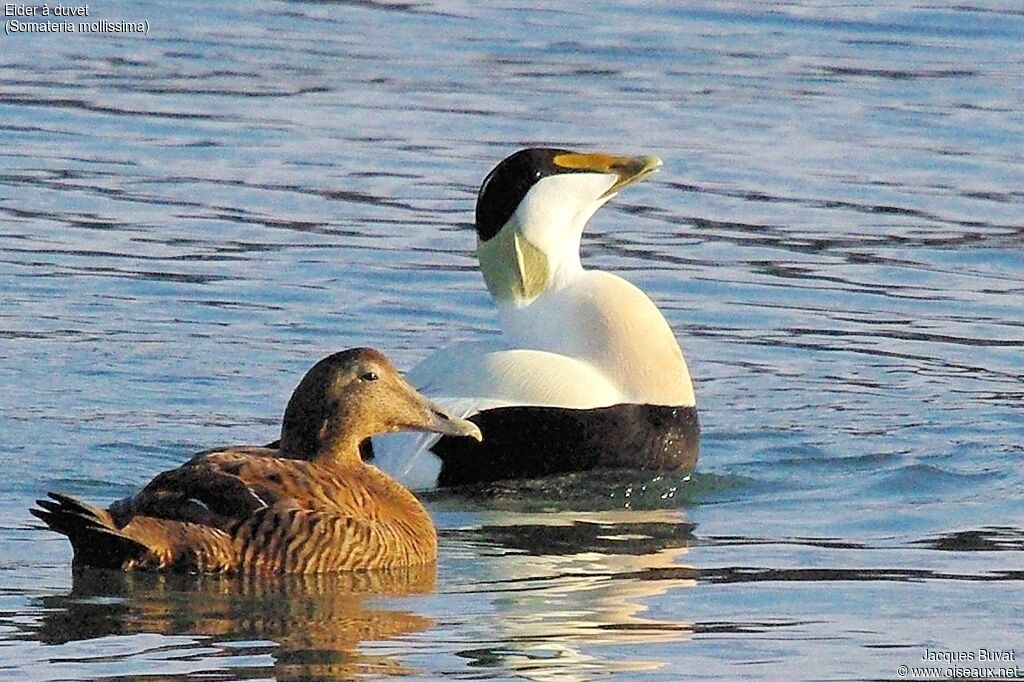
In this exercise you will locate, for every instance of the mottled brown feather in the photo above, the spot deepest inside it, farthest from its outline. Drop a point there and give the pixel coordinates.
(310, 506)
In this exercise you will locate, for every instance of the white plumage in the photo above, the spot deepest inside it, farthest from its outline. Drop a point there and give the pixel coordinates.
(572, 338)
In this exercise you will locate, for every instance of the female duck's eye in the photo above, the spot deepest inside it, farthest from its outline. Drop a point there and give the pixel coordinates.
(369, 376)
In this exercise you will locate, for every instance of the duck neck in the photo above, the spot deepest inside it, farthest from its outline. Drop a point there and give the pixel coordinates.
(517, 271)
(566, 268)
(332, 444)
(339, 452)
(514, 269)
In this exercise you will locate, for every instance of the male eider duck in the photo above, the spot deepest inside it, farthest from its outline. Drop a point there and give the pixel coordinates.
(308, 506)
(587, 372)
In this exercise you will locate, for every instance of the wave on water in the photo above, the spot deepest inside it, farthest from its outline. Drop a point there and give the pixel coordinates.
(598, 490)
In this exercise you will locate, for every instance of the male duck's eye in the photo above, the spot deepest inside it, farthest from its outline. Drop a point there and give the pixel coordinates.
(369, 376)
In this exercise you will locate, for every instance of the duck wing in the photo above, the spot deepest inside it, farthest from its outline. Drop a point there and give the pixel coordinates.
(222, 488)
(216, 488)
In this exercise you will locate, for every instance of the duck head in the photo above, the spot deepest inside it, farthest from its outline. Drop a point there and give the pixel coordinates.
(531, 212)
(352, 395)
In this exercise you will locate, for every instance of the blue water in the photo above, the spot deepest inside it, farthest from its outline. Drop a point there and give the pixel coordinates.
(190, 219)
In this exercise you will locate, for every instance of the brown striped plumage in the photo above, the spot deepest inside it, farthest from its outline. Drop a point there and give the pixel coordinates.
(309, 506)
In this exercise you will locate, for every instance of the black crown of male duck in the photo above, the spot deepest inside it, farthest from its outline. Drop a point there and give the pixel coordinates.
(586, 373)
(309, 505)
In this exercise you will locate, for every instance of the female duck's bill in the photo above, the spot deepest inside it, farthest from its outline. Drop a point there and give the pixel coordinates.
(586, 373)
(309, 505)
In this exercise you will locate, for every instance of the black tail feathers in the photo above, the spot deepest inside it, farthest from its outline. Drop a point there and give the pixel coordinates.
(96, 541)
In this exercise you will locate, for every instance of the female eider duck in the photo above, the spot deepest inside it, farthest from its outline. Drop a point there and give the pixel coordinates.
(587, 372)
(308, 506)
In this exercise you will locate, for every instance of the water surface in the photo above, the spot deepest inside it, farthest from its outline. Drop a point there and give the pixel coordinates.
(188, 220)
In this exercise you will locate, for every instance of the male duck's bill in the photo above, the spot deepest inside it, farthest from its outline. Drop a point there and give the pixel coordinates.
(309, 505)
(630, 169)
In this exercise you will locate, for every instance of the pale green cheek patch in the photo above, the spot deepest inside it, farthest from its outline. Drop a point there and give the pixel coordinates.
(514, 269)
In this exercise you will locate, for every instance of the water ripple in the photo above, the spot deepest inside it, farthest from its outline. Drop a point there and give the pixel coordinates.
(190, 219)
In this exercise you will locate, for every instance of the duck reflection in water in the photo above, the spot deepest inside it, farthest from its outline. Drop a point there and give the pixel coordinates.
(315, 623)
(572, 584)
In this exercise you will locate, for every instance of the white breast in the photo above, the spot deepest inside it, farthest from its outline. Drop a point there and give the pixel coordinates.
(604, 321)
